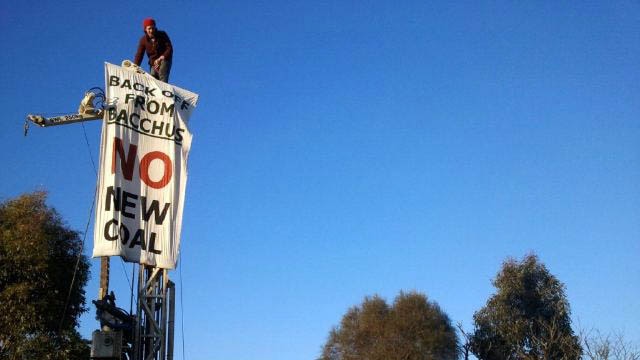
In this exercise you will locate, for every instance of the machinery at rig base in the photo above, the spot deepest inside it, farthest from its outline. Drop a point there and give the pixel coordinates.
(148, 334)
(115, 336)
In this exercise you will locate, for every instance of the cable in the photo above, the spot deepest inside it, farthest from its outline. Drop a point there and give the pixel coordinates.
(75, 271)
(124, 270)
(86, 139)
(133, 277)
(100, 96)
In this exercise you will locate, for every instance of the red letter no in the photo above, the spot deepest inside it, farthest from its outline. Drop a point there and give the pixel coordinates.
(144, 169)
(127, 163)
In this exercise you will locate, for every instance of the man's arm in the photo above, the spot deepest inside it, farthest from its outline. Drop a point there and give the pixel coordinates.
(140, 53)
(168, 52)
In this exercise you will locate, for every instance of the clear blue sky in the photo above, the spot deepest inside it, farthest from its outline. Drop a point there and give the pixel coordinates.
(350, 148)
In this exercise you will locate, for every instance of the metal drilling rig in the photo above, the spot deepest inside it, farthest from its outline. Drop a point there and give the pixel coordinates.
(144, 126)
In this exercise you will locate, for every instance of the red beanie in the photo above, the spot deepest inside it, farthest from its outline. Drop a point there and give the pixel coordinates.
(148, 22)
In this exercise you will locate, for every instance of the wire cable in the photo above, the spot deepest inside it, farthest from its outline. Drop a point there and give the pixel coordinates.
(101, 98)
(124, 270)
(80, 254)
(99, 102)
(86, 139)
(133, 277)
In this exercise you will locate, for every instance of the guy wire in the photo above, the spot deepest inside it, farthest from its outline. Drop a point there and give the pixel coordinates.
(80, 254)
(100, 98)
(84, 236)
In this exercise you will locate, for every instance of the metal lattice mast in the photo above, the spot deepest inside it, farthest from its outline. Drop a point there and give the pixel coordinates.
(156, 304)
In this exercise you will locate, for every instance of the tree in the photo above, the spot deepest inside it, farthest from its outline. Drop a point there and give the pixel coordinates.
(527, 318)
(413, 328)
(612, 346)
(42, 277)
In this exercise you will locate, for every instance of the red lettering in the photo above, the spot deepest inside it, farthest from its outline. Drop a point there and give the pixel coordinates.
(125, 165)
(144, 169)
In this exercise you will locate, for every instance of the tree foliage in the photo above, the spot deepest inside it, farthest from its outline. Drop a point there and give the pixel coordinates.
(527, 318)
(612, 346)
(413, 328)
(38, 258)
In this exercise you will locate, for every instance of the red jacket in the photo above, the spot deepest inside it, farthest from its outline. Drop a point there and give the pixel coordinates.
(154, 49)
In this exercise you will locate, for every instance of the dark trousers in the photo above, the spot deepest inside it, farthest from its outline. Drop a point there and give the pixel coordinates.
(163, 73)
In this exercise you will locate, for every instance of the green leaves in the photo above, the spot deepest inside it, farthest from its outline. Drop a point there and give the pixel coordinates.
(412, 329)
(527, 318)
(38, 257)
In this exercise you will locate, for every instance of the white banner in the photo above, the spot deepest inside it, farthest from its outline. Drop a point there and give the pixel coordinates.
(143, 168)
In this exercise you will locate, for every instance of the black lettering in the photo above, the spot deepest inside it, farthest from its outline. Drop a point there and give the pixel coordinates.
(114, 80)
(124, 234)
(153, 107)
(138, 239)
(143, 122)
(148, 91)
(166, 109)
(115, 195)
(122, 117)
(131, 117)
(152, 244)
(179, 134)
(154, 209)
(139, 102)
(138, 87)
(126, 84)
(129, 97)
(156, 126)
(107, 234)
(126, 203)
(170, 130)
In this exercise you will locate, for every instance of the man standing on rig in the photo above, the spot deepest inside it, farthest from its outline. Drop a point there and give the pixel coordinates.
(158, 47)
